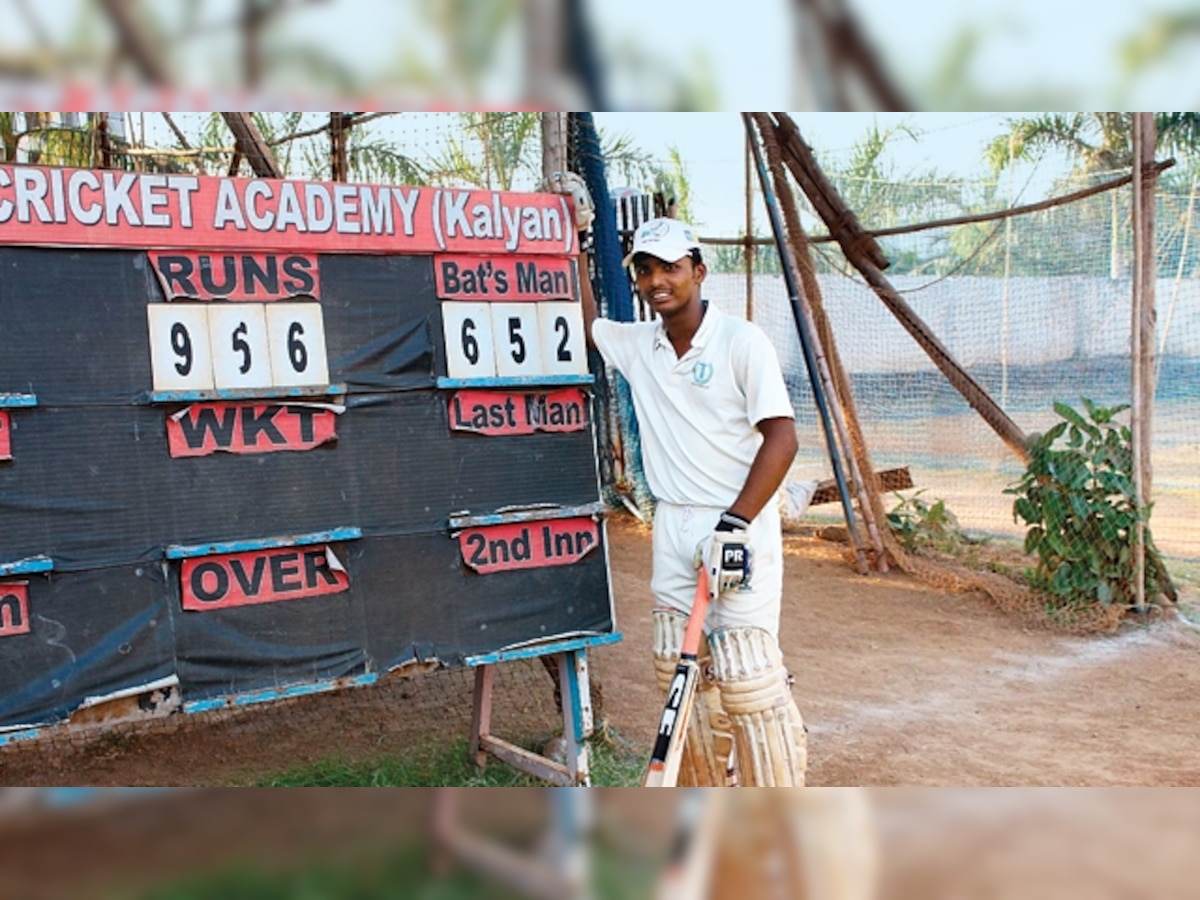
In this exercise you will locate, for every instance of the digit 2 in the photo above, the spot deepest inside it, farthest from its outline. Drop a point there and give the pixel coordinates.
(560, 324)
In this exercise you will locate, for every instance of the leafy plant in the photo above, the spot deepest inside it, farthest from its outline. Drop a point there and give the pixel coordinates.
(1079, 503)
(923, 526)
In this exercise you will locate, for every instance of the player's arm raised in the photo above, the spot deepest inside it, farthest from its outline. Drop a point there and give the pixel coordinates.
(587, 298)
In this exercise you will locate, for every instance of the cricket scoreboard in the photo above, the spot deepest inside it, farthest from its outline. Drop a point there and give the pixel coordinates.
(258, 433)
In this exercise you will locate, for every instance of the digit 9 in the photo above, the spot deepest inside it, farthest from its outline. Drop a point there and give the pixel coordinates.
(181, 343)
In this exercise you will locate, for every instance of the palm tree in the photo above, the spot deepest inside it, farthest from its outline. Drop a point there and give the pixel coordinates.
(883, 197)
(492, 150)
(1096, 143)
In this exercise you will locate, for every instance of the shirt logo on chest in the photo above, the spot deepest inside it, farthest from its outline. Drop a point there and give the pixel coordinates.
(702, 373)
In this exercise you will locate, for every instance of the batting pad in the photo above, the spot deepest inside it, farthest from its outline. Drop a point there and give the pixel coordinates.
(772, 748)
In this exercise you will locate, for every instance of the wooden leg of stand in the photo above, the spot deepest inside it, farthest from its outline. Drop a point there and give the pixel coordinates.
(481, 714)
(576, 710)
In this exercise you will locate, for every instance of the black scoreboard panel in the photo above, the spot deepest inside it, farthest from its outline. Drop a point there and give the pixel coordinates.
(94, 485)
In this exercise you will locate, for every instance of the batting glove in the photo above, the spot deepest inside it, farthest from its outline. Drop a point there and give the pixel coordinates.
(725, 554)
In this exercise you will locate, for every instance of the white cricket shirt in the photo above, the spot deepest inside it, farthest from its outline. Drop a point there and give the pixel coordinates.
(697, 413)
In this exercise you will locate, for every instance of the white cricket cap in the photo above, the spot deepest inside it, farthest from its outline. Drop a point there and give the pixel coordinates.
(668, 239)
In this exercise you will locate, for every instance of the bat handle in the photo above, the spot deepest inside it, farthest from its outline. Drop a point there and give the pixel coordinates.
(695, 623)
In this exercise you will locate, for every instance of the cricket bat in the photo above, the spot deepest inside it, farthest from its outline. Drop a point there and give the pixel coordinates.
(663, 770)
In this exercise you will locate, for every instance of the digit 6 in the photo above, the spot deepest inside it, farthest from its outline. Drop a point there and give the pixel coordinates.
(469, 344)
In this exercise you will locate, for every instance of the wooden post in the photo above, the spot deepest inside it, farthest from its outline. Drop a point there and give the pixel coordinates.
(104, 141)
(251, 144)
(1142, 332)
(339, 133)
(254, 18)
(554, 143)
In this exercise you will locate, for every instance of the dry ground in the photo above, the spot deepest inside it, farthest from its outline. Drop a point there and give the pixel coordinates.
(899, 684)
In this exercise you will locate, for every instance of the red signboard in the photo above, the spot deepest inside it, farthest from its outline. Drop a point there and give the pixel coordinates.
(5, 437)
(492, 412)
(260, 576)
(204, 428)
(14, 608)
(505, 278)
(237, 276)
(528, 545)
(107, 208)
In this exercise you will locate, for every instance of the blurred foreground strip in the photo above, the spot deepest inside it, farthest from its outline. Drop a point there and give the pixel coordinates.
(568, 843)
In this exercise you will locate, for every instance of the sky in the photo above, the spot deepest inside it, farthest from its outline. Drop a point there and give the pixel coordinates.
(712, 146)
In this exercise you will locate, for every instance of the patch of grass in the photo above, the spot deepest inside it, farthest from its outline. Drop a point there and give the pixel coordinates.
(614, 763)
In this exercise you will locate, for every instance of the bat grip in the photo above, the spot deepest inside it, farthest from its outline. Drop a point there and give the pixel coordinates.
(695, 623)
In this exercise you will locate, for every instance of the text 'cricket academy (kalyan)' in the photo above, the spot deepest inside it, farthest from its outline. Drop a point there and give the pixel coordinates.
(80, 206)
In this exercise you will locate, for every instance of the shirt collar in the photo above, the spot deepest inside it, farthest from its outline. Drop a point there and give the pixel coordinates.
(699, 339)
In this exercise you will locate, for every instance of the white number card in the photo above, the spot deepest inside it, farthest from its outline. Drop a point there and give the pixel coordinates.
(518, 344)
(564, 349)
(296, 337)
(180, 354)
(469, 350)
(238, 333)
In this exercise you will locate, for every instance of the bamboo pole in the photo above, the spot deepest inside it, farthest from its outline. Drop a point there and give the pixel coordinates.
(818, 373)
(840, 219)
(1142, 328)
(856, 251)
(862, 473)
(250, 143)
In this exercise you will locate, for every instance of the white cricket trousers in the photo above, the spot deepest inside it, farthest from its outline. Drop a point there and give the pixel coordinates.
(677, 531)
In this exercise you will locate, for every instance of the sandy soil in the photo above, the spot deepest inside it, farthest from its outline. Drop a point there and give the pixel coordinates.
(899, 684)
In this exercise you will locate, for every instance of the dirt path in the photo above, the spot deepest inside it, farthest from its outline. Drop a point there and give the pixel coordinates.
(902, 685)
(899, 685)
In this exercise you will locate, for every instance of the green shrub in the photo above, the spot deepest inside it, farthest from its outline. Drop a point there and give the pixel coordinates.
(1077, 497)
(923, 526)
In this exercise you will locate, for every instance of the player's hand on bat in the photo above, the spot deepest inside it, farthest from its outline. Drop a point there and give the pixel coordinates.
(725, 555)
